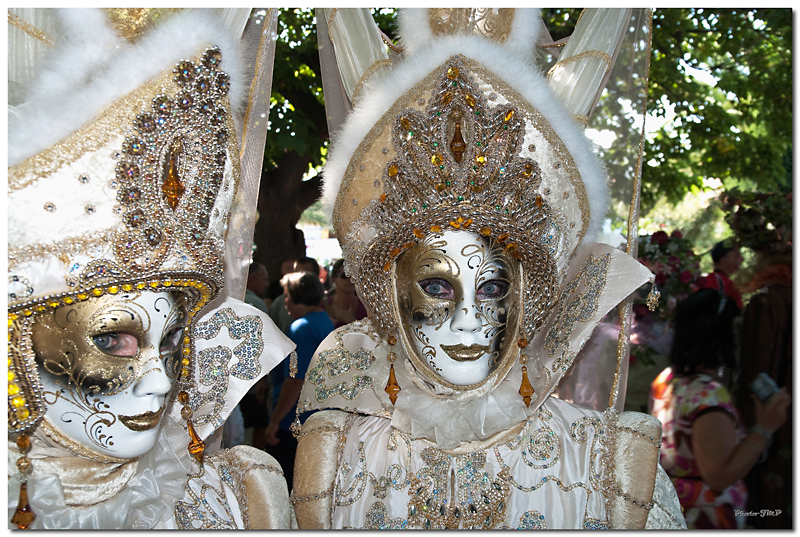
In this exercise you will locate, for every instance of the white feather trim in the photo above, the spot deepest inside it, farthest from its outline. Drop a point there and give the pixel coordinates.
(514, 67)
(92, 67)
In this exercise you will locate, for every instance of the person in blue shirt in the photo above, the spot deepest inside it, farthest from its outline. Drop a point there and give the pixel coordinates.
(312, 324)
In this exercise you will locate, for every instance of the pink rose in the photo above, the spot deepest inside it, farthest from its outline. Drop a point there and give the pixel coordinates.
(686, 276)
(674, 261)
(677, 234)
(661, 278)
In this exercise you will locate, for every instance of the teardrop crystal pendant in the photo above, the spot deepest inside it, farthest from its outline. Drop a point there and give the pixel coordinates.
(24, 515)
(653, 296)
(196, 446)
(172, 187)
(392, 387)
(525, 388)
(458, 146)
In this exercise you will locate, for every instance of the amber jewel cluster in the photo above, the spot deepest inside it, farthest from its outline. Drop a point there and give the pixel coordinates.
(171, 169)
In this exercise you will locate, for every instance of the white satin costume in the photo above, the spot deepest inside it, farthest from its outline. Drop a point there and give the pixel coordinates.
(463, 134)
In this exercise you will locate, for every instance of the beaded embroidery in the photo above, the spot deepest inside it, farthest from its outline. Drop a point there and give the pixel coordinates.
(209, 507)
(214, 371)
(437, 483)
(580, 307)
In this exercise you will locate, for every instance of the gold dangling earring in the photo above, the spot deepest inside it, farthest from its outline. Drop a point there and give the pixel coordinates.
(653, 296)
(392, 387)
(24, 515)
(196, 445)
(525, 388)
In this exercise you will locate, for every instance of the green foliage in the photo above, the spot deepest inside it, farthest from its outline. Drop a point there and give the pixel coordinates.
(760, 221)
(739, 130)
(297, 106)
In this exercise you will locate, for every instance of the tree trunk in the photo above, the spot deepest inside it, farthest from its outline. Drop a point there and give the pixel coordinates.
(282, 198)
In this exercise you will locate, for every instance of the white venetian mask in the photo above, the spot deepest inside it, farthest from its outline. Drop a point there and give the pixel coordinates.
(456, 297)
(107, 365)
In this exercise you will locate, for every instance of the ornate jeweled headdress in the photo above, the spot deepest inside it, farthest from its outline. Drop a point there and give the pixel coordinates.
(466, 134)
(145, 208)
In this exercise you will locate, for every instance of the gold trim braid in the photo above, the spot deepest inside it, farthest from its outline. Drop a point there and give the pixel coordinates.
(29, 29)
(597, 54)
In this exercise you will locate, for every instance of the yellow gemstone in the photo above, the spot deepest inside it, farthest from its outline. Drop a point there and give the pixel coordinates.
(187, 340)
(187, 350)
(394, 253)
(68, 300)
(127, 287)
(502, 237)
(527, 171)
(183, 397)
(440, 187)
(452, 73)
(113, 289)
(140, 285)
(23, 414)
(436, 229)
(418, 233)
(511, 248)
(470, 100)
(391, 340)
(455, 225)
(18, 401)
(467, 223)
(24, 443)
(154, 284)
(393, 170)
(509, 115)
(172, 187)
(97, 291)
(12, 316)
(485, 231)
(186, 361)
(538, 201)
(405, 124)
(436, 159)
(41, 307)
(480, 159)
(11, 376)
(383, 198)
(446, 98)
(184, 373)
(13, 389)
(27, 313)
(387, 266)
(82, 296)
(522, 343)
(54, 304)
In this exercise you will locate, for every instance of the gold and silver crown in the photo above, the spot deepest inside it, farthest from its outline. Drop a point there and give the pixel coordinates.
(136, 197)
(464, 134)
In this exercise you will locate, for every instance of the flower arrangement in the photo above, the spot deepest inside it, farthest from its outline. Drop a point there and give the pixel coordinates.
(676, 268)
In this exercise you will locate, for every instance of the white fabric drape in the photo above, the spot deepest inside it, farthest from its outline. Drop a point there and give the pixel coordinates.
(585, 62)
(357, 41)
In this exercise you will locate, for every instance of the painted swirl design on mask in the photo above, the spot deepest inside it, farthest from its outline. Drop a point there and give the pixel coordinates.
(95, 351)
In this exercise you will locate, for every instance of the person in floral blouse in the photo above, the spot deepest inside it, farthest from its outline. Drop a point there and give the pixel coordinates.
(705, 448)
